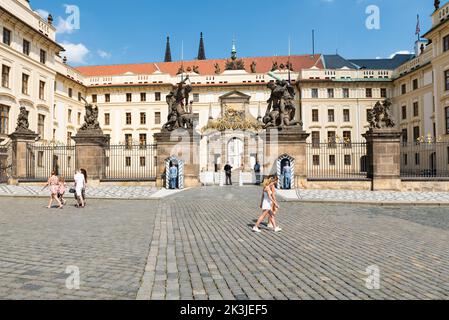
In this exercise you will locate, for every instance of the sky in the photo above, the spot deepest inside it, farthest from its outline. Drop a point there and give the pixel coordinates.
(135, 31)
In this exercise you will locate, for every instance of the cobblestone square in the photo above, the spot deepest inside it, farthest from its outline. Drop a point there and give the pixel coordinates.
(198, 244)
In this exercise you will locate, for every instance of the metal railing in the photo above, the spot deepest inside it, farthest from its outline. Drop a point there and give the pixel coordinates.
(130, 162)
(337, 161)
(43, 159)
(425, 160)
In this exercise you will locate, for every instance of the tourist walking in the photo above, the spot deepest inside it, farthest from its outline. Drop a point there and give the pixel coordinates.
(80, 183)
(173, 176)
(61, 190)
(268, 205)
(53, 184)
(84, 172)
(228, 171)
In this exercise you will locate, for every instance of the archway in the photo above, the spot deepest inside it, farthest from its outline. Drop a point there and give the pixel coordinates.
(180, 165)
(280, 164)
(235, 152)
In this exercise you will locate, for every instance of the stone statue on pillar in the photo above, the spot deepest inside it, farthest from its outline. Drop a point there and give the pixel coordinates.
(23, 126)
(381, 116)
(180, 113)
(91, 123)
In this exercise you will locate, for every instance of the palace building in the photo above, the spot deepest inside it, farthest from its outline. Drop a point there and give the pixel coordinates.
(333, 94)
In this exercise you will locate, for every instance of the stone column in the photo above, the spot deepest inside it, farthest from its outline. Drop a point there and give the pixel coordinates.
(289, 141)
(20, 141)
(90, 154)
(184, 145)
(384, 158)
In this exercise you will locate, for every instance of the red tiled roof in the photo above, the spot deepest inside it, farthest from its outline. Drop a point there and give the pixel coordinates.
(206, 67)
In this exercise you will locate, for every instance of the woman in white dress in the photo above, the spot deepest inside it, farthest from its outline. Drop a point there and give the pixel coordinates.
(269, 206)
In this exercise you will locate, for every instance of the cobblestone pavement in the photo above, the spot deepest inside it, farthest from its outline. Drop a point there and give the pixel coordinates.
(110, 192)
(198, 244)
(367, 196)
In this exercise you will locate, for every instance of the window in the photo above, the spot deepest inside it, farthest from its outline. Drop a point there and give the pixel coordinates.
(330, 93)
(369, 92)
(345, 93)
(331, 115)
(415, 84)
(43, 57)
(79, 96)
(40, 159)
(316, 139)
(406, 159)
(143, 139)
(404, 89)
(332, 160)
(348, 160)
(404, 112)
(157, 118)
(128, 118)
(316, 160)
(107, 119)
(447, 120)
(415, 109)
(383, 93)
(142, 161)
(42, 90)
(128, 161)
(94, 98)
(346, 115)
(4, 119)
(315, 93)
(331, 139)
(446, 80)
(157, 96)
(69, 138)
(70, 92)
(445, 43)
(41, 126)
(143, 118)
(368, 114)
(143, 97)
(347, 137)
(107, 97)
(128, 140)
(196, 97)
(404, 136)
(417, 159)
(416, 134)
(5, 76)
(78, 119)
(129, 97)
(69, 116)
(6, 36)
(26, 47)
(315, 115)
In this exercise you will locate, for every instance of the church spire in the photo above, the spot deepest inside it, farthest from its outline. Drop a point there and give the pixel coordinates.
(201, 50)
(168, 51)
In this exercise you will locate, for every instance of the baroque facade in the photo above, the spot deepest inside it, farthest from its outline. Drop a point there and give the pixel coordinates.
(333, 94)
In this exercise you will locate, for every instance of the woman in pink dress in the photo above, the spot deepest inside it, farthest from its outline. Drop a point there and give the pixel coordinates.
(53, 183)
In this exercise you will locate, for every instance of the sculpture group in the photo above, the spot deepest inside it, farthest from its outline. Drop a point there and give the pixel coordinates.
(381, 116)
(91, 118)
(180, 113)
(281, 110)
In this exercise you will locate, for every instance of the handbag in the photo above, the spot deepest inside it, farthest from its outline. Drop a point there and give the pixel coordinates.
(72, 190)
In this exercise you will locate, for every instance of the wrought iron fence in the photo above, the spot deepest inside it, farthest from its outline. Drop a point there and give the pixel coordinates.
(43, 159)
(425, 160)
(337, 161)
(5, 166)
(130, 162)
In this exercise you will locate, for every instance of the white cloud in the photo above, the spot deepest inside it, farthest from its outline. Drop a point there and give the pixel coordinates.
(400, 52)
(64, 27)
(76, 53)
(103, 54)
(43, 13)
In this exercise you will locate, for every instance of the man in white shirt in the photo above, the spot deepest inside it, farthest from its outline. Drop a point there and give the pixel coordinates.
(79, 186)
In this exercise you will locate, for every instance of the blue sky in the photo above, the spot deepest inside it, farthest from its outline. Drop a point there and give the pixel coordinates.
(134, 31)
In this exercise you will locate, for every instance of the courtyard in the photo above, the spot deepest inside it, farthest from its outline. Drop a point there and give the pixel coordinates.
(198, 244)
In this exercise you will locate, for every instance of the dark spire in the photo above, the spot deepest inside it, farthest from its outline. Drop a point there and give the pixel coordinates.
(168, 51)
(201, 50)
